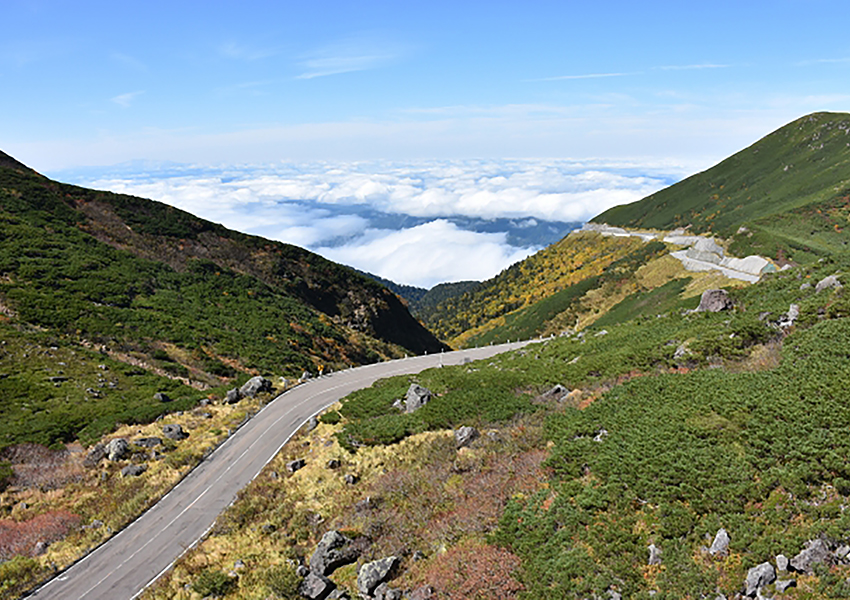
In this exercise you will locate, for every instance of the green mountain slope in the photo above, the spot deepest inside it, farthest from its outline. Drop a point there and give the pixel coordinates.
(175, 296)
(789, 190)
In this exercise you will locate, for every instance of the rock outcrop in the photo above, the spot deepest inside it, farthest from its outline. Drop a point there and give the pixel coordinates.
(720, 545)
(255, 385)
(714, 301)
(333, 551)
(117, 449)
(373, 574)
(758, 577)
(174, 432)
(828, 283)
(416, 397)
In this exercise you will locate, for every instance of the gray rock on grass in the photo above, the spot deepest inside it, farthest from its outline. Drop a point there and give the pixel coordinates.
(720, 545)
(758, 577)
(828, 283)
(133, 470)
(233, 396)
(95, 454)
(333, 551)
(294, 465)
(373, 574)
(117, 449)
(255, 385)
(416, 397)
(816, 551)
(174, 432)
(465, 436)
(714, 301)
(654, 555)
(316, 587)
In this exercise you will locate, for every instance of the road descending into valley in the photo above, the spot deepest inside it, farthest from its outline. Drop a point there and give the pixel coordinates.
(122, 567)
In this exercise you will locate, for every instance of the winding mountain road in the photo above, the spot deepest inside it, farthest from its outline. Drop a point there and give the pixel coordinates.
(135, 557)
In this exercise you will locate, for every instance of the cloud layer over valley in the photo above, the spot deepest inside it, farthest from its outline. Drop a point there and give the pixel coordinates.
(418, 223)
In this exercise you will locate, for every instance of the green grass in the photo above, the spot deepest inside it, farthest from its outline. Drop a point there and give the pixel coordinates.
(650, 303)
(804, 163)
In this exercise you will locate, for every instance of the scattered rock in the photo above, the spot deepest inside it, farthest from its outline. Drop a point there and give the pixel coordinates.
(600, 435)
(148, 442)
(418, 555)
(351, 479)
(372, 574)
(95, 454)
(312, 423)
(758, 577)
(174, 432)
(116, 449)
(788, 319)
(654, 555)
(233, 396)
(239, 564)
(333, 551)
(827, 283)
(555, 393)
(333, 464)
(96, 524)
(426, 592)
(302, 571)
(781, 562)
(57, 379)
(339, 594)
(385, 592)
(600, 333)
(316, 587)
(805, 286)
(133, 470)
(720, 545)
(784, 584)
(816, 551)
(268, 528)
(93, 393)
(161, 397)
(255, 385)
(681, 351)
(465, 436)
(416, 397)
(714, 301)
(40, 548)
(294, 465)
(842, 551)
(305, 376)
(204, 402)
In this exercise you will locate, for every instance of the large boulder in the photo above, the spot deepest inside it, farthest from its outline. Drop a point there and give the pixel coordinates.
(333, 551)
(117, 449)
(828, 283)
(174, 432)
(373, 574)
(315, 586)
(714, 301)
(816, 551)
(255, 385)
(720, 545)
(758, 577)
(416, 397)
(233, 396)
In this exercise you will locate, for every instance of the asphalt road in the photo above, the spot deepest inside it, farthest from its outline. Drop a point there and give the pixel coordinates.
(138, 555)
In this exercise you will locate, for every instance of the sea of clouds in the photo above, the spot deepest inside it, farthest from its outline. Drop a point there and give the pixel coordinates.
(418, 223)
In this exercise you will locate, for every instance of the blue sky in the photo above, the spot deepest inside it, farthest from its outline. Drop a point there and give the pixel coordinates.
(326, 124)
(222, 82)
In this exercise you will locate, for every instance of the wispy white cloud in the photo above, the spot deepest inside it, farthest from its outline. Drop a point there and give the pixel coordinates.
(348, 56)
(125, 100)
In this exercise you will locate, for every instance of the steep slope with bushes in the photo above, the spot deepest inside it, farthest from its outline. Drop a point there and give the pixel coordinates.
(789, 191)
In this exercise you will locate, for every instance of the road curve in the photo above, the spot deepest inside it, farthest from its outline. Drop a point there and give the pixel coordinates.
(135, 557)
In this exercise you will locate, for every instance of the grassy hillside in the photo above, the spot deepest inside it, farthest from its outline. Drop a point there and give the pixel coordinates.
(175, 297)
(674, 427)
(789, 190)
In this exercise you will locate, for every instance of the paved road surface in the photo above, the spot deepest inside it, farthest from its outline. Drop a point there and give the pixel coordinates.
(126, 564)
